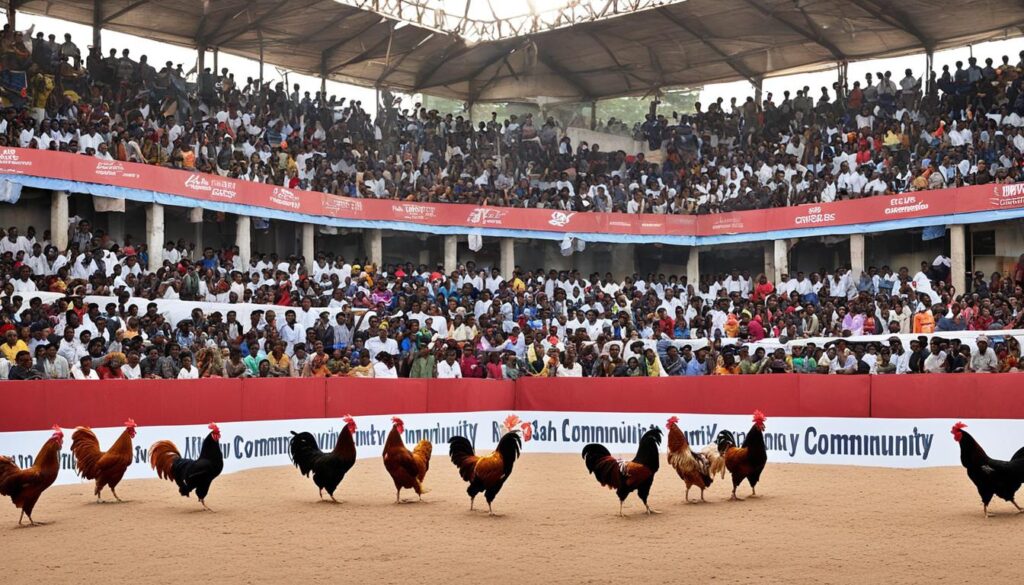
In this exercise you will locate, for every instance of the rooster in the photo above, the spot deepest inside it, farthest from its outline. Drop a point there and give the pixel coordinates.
(407, 468)
(626, 476)
(24, 486)
(694, 468)
(990, 476)
(328, 468)
(190, 474)
(485, 474)
(746, 462)
(106, 467)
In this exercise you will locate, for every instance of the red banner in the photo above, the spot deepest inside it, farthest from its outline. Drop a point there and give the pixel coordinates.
(59, 165)
(107, 403)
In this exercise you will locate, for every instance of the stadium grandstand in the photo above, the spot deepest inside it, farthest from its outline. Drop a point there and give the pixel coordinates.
(556, 228)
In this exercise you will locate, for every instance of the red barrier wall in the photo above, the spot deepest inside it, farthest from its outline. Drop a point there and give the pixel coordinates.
(38, 405)
(948, 396)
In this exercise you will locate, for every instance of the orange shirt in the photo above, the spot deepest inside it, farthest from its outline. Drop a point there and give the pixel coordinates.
(924, 322)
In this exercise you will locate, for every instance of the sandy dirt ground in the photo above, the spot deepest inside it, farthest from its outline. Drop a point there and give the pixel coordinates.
(810, 524)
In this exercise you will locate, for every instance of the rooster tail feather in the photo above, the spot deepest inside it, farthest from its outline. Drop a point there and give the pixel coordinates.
(162, 457)
(86, 449)
(462, 454)
(509, 447)
(304, 451)
(421, 455)
(8, 469)
(1019, 455)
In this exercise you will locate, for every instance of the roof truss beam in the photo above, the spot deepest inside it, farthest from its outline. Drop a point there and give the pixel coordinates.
(894, 16)
(697, 30)
(811, 34)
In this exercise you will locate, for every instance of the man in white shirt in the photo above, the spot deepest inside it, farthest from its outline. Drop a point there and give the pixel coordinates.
(983, 359)
(83, 370)
(382, 342)
(385, 366)
(449, 368)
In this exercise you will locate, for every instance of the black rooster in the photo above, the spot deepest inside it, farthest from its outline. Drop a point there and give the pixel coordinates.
(190, 474)
(328, 469)
(990, 476)
(626, 476)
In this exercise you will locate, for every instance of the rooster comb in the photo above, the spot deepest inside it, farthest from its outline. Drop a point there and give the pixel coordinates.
(347, 418)
(672, 420)
(397, 421)
(57, 430)
(959, 425)
(213, 427)
(130, 423)
(759, 417)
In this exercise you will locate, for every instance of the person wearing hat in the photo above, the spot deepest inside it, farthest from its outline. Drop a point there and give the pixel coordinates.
(983, 359)
(381, 343)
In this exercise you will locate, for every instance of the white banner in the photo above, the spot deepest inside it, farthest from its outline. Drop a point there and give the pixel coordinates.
(896, 443)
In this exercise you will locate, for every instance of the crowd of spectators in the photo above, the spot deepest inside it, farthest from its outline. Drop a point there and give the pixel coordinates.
(417, 321)
(878, 136)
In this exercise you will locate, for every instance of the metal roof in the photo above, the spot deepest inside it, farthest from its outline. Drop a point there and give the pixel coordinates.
(688, 43)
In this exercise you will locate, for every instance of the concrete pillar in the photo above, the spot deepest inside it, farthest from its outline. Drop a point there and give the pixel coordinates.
(115, 227)
(451, 254)
(769, 261)
(155, 235)
(856, 256)
(958, 257)
(243, 239)
(508, 258)
(59, 219)
(425, 254)
(197, 237)
(623, 260)
(693, 268)
(308, 239)
(781, 260)
(373, 246)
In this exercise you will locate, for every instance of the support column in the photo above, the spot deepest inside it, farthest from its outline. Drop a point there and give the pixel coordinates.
(856, 256)
(781, 260)
(769, 261)
(115, 227)
(758, 90)
(451, 254)
(243, 239)
(693, 268)
(155, 231)
(623, 260)
(425, 255)
(197, 237)
(958, 257)
(373, 246)
(308, 240)
(508, 258)
(59, 220)
(97, 25)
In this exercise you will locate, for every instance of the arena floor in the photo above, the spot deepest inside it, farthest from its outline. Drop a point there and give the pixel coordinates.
(820, 524)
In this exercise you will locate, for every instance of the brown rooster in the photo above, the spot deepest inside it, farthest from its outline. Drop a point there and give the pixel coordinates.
(746, 462)
(407, 468)
(694, 468)
(106, 467)
(24, 486)
(485, 474)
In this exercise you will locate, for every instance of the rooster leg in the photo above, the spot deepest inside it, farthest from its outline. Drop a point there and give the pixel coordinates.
(987, 515)
(113, 491)
(22, 517)
(1019, 509)
(205, 507)
(702, 495)
(490, 512)
(471, 500)
(687, 494)
(334, 500)
(398, 496)
(321, 493)
(651, 510)
(734, 498)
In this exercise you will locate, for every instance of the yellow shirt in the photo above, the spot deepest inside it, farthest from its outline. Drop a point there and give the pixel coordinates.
(12, 351)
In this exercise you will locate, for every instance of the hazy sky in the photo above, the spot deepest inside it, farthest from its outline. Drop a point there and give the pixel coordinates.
(242, 68)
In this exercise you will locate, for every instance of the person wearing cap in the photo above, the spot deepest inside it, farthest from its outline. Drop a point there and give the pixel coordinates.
(381, 343)
(983, 359)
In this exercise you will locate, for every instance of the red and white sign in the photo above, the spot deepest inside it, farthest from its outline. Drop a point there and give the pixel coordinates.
(867, 210)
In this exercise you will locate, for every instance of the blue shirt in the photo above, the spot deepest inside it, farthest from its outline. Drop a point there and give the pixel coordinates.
(695, 368)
